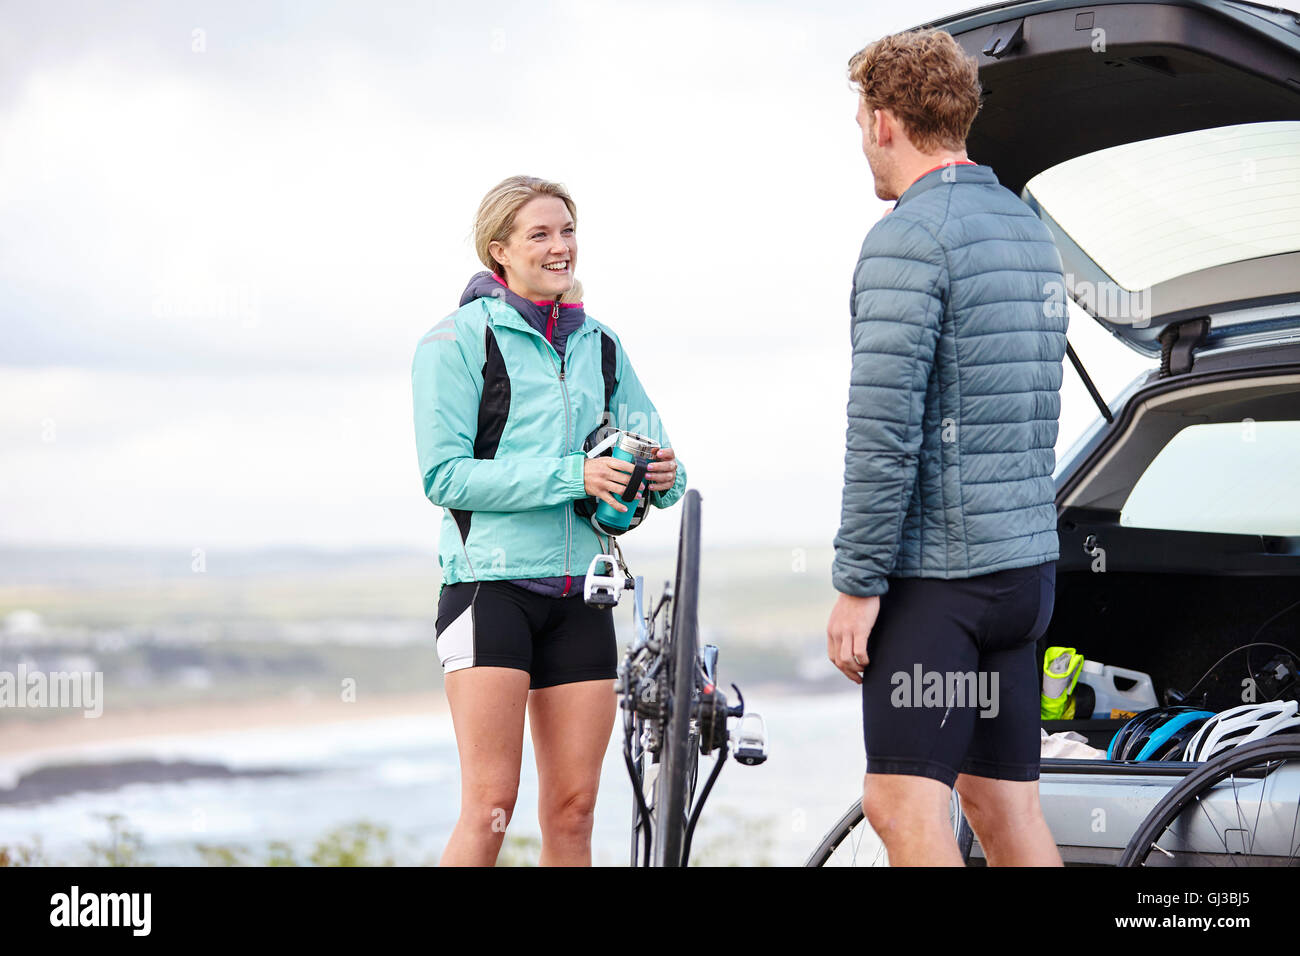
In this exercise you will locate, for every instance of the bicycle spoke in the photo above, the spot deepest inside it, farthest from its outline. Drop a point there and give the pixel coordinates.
(1236, 803)
(852, 842)
(1223, 840)
(1258, 810)
(1185, 825)
(1291, 857)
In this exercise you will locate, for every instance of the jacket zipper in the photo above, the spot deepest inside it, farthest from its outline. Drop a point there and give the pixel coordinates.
(568, 426)
(568, 512)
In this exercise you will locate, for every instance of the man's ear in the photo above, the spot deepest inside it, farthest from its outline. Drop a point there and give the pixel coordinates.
(885, 124)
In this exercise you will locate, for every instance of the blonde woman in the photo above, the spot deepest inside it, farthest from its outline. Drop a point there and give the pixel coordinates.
(506, 390)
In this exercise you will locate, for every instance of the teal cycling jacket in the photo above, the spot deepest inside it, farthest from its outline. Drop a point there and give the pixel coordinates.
(500, 420)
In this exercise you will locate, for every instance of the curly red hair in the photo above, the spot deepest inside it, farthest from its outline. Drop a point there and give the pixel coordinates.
(926, 80)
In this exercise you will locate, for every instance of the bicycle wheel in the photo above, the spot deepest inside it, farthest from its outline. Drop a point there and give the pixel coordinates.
(640, 849)
(1242, 808)
(852, 842)
(679, 756)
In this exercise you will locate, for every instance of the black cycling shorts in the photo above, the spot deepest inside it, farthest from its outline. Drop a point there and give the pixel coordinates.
(951, 683)
(557, 640)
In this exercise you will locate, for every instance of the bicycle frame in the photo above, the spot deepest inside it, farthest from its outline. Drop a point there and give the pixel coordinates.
(673, 712)
(643, 687)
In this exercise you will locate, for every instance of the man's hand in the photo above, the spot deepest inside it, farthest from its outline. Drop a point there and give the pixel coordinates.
(850, 625)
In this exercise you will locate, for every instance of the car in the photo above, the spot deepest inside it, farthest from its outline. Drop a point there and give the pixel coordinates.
(1159, 140)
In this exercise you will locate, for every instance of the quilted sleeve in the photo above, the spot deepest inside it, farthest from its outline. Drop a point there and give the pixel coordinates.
(899, 289)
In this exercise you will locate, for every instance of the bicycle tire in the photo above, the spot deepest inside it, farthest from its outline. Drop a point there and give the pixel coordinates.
(639, 765)
(672, 803)
(854, 818)
(1189, 790)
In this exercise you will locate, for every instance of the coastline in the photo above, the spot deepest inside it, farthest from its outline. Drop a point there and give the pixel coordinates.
(19, 737)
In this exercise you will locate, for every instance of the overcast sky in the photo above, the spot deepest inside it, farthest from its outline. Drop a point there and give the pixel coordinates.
(224, 227)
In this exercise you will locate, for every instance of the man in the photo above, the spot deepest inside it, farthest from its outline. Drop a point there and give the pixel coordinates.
(945, 557)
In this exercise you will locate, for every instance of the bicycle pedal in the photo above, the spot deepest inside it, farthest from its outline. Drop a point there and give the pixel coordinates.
(751, 740)
(603, 590)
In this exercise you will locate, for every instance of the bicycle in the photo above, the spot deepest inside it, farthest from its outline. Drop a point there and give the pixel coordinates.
(852, 842)
(673, 710)
(1202, 821)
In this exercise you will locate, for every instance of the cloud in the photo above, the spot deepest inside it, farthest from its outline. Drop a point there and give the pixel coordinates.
(215, 265)
(299, 194)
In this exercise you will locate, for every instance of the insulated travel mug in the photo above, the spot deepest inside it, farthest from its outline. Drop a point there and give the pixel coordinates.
(640, 451)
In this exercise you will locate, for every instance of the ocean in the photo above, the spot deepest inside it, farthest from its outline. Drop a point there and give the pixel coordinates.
(293, 786)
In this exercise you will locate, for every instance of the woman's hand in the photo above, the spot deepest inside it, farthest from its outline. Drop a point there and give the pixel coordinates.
(606, 476)
(662, 472)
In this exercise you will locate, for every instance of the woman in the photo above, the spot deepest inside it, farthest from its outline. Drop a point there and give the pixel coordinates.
(506, 390)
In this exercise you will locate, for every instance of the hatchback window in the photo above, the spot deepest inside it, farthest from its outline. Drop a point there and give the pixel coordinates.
(1150, 211)
(1235, 477)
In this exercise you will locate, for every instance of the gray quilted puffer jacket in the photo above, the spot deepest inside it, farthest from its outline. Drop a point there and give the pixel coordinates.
(959, 326)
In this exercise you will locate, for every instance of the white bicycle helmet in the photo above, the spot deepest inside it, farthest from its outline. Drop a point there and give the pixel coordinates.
(1241, 725)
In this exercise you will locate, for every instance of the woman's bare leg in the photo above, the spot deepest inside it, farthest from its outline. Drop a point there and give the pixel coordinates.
(487, 710)
(571, 726)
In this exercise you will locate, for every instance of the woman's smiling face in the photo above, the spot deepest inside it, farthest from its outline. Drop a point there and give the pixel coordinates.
(542, 250)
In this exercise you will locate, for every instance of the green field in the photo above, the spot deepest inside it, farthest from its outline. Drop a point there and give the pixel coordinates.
(259, 625)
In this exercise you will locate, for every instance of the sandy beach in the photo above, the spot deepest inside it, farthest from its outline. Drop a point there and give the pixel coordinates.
(19, 736)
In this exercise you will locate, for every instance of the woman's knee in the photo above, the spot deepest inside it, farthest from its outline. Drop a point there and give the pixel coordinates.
(490, 801)
(573, 810)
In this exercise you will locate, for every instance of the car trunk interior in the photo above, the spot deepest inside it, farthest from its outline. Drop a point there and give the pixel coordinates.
(1171, 603)
(1172, 627)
